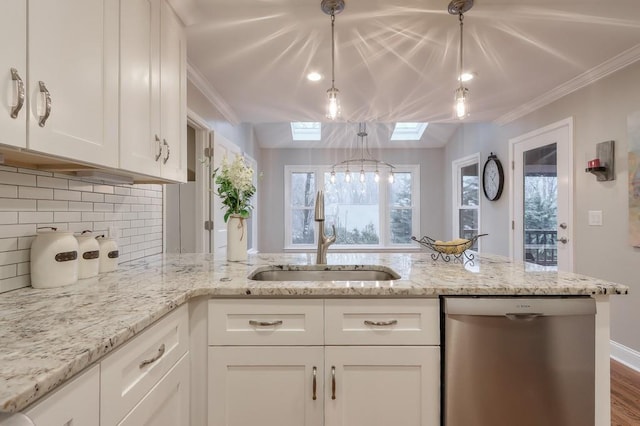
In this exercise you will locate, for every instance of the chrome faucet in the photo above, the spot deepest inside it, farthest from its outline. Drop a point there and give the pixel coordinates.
(323, 241)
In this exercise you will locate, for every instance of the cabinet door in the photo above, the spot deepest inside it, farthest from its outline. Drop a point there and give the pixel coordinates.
(382, 386)
(167, 404)
(76, 403)
(13, 44)
(173, 80)
(73, 51)
(271, 386)
(140, 143)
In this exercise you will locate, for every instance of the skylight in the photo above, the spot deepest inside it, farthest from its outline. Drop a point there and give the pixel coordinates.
(305, 131)
(408, 131)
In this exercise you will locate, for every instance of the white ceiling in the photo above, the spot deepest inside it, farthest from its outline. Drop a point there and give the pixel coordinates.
(396, 59)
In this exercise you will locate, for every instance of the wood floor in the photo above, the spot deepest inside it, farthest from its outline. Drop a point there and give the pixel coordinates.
(625, 395)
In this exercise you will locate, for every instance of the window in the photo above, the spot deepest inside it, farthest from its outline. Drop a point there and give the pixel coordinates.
(365, 214)
(466, 200)
(408, 131)
(305, 131)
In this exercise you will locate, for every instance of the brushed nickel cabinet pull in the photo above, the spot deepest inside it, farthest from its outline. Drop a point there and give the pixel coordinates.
(522, 317)
(265, 323)
(18, 106)
(47, 104)
(164, 142)
(159, 154)
(153, 359)
(333, 382)
(380, 323)
(315, 372)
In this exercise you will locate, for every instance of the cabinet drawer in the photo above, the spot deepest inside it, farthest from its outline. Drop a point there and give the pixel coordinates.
(130, 372)
(382, 322)
(266, 322)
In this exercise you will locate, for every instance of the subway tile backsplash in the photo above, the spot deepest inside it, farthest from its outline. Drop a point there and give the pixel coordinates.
(32, 198)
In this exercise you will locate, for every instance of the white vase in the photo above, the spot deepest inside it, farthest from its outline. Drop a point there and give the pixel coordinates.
(237, 234)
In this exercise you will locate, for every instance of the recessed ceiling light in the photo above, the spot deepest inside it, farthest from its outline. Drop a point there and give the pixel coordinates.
(314, 76)
(466, 76)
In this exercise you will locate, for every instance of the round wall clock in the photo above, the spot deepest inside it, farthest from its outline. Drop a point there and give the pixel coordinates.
(492, 178)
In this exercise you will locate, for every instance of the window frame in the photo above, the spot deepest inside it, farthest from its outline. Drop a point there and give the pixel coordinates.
(456, 170)
(384, 209)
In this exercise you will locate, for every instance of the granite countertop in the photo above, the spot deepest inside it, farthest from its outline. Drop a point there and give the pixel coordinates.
(49, 335)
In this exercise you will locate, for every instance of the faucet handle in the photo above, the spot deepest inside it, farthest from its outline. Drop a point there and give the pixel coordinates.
(332, 239)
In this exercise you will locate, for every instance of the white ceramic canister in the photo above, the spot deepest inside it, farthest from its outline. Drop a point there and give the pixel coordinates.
(54, 258)
(108, 254)
(88, 255)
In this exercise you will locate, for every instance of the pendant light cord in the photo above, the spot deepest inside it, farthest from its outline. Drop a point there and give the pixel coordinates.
(333, 48)
(461, 18)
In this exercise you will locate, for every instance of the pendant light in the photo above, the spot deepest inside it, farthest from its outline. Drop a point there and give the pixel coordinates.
(365, 161)
(331, 8)
(461, 102)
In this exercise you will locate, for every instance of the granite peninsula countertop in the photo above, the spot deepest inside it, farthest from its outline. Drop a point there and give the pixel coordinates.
(47, 336)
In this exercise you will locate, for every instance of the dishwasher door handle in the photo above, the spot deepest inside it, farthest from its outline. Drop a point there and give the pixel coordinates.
(523, 317)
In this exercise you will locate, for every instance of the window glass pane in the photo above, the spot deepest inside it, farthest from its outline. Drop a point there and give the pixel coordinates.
(401, 226)
(401, 190)
(470, 185)
(469, 224)
(303, 189)
(302, 226)
(353, 208)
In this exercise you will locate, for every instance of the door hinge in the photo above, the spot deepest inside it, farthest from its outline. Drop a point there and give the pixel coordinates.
(513, 224)
(513, 165)
(208, 152)
(208, 225)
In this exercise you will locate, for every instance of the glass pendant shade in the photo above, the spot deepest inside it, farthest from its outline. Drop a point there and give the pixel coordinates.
(332, 179)
(376, 177)
(462, 102)
(362, 176)
(347, 176)
(391, 179)
(333, 105)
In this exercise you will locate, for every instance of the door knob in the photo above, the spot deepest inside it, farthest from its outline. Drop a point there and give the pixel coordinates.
(563, 240)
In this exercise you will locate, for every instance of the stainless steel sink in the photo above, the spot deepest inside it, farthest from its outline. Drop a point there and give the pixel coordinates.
(323, 273)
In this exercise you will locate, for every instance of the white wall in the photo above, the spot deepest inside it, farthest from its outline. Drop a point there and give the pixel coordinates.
(600, 113)
(271, 187)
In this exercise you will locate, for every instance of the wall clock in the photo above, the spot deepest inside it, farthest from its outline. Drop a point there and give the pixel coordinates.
(492, 178)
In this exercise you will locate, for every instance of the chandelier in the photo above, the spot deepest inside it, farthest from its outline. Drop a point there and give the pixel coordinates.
(461, 103)
(364, 162)
(331, 8)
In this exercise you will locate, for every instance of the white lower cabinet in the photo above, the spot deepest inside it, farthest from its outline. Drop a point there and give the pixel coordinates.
(382, 386)
(369, 383)
(265, 386)
(167, 404)
(76, 403)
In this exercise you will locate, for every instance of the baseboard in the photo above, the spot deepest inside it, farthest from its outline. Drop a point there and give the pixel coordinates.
(625, 355)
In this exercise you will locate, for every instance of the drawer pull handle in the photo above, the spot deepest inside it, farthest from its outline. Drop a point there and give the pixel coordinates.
(265, 323)
(315, 371)
(154, 358)
(333, 382)
(380, 323)
(159, 145)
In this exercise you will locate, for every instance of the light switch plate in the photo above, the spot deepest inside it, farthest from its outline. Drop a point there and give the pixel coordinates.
(595, 217)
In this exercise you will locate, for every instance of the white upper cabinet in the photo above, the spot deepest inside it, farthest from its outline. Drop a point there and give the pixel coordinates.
(13, 72)
(73, 79)
(152, 90)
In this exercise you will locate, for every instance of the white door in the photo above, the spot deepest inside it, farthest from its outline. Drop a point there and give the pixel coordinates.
(173, 80)
(222, 148)
(382, 386)
(13, 36)
(140, 141)
(542, 185)
(271, 386)
(73, 59)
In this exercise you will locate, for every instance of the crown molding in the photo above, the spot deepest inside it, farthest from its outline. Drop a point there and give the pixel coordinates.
(200, 81)
(588, 77)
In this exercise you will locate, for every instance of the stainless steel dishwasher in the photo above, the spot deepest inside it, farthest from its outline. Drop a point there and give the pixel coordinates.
(519, 361)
